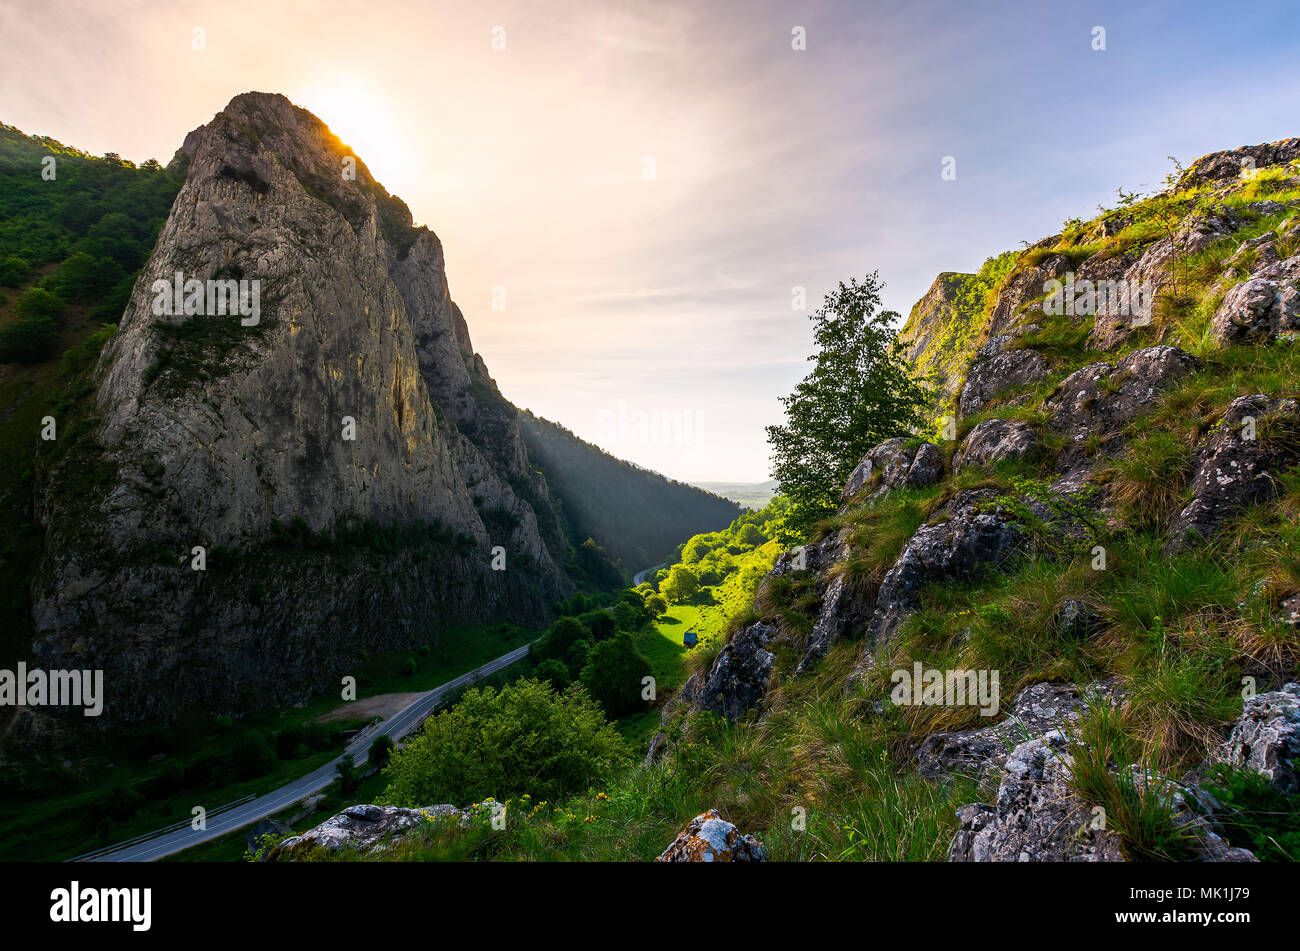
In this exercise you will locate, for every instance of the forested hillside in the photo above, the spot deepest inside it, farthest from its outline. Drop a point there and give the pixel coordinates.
(74, 232)
(636, 515)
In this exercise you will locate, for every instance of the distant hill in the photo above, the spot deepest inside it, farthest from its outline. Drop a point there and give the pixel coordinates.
(752, 495)
(637, 516)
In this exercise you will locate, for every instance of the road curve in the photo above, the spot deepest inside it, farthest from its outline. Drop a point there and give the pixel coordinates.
(640, 575)
(398, 725)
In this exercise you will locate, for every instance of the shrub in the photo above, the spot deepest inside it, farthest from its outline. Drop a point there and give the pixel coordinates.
(29, 340)
(251, 756)
(614, 672)
(523, 738)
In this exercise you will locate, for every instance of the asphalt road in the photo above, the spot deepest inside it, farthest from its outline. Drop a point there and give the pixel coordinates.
(640, 575)
(398, 725)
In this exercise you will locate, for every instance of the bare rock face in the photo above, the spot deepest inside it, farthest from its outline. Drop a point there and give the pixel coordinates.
(363, 828)
(1101, 399)
(1262, 308)
(843, 608)
(995, 440)
(976, 534)
(1038, 817)
(354, 399)
(1038, 709)
(737, 681)
(892, 465)
(938, 337)
(1000, 371)
(710, 838)
(1266, 738)
(1230, 165)
(1236, 464)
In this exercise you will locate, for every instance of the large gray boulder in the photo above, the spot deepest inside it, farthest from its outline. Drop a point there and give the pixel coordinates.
(363, 828)
(998, 372)
(1039, 817)
(1262, 308)
(976, 533)
(893, 464)
(995, 440)
(1101, 399)
(1037, 710)
(1237, 462)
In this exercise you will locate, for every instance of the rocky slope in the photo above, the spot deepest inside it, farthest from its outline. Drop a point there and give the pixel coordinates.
(342, 457)
(1093, 431)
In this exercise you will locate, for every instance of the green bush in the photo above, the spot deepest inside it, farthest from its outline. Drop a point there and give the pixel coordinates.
(614, 672)
(13, 271)
(525, 738)
(29, 340)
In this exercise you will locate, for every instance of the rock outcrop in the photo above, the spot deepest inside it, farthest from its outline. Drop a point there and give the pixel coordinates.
(893, 464)
(1263, 308)
(995, 440)
(363, 828)
(1236, 464)
(1266, 738)
(1039, 817)
(1101, 399)
(710, 838)
(352, 398)
(975, 533)
(1036, 711)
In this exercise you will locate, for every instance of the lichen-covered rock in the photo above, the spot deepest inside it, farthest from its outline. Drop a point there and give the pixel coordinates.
(1236, 464)
(737, 680)
(1266, 738)
(1236, 164)
(976, 533)
(843, 607)
(893, 464)
(1262, 308)
(1037, 710)
(364, 828)
(1038, 816)
(999, 372)
(1100, 399)
(710, 838)
(995, 440)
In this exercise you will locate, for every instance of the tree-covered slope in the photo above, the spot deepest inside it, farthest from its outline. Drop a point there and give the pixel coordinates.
(635, 515)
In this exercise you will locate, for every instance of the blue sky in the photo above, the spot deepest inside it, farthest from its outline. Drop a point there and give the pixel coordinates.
(668, 300)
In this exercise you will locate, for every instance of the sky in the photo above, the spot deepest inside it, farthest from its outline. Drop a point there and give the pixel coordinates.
(640, 188)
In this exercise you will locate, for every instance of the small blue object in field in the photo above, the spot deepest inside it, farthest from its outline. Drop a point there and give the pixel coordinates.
(690, 638)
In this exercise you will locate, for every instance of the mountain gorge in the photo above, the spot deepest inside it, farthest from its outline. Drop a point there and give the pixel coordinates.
(255, 495)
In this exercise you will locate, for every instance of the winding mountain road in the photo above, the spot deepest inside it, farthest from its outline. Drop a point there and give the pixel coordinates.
(640, 575)
(398, 725)
(169, 842)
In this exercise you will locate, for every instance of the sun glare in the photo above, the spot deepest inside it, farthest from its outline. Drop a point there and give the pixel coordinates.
(360, 116)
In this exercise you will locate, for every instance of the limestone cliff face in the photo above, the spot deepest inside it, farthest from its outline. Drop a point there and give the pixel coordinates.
(231, 437)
